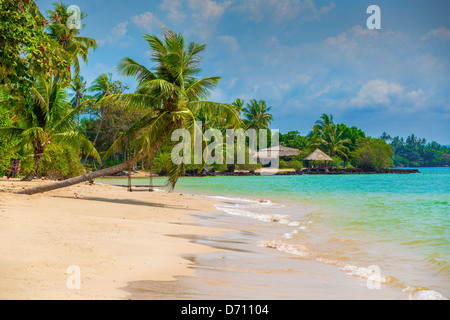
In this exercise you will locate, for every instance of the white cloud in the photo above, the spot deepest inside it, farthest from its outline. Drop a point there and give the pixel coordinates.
(118, 35)
(206, 15)
(208, 9)
(377, 92)
(283, 10)
(174, 10)
(394, 96)
(230, 42)
(120, 30)
(147, 21)
(441, 33)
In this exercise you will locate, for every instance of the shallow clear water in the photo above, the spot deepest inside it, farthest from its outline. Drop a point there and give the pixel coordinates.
(398, 225)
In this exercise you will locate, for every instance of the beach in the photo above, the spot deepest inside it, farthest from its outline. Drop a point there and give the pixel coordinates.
(245, 238)
(102, 233)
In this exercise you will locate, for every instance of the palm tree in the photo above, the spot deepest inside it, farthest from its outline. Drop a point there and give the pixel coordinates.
(257, 115)
(79, 90)
(171, 96)
(238, 104)
(76, 45)
(327, 136)
(324, 121)
(47, 119)
(103, 85)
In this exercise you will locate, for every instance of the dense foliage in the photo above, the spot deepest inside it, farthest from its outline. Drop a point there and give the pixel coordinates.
(59, 126)
(26, 49)
(417, 152)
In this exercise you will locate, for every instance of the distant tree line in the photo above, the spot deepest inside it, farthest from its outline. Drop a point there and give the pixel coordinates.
(417, 152)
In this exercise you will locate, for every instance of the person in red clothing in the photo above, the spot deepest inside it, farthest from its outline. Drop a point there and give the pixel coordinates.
(15, 168)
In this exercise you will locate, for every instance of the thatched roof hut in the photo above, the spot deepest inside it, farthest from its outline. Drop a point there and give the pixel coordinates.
(276, 152)
(320, 157)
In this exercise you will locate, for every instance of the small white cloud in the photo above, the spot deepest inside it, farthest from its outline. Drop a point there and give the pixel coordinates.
(120, 30)
(377, 92)
(441, 33)
(283, 10)
(146, 21)
(392, 95)
(205, 16)
(118, 35)
(208, 9)
(230, 42)
(272, 42)
(174, 10)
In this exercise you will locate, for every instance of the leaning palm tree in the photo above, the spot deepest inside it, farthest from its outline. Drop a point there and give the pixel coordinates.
(257, 115)
(47, 119)
(76, 45)
(171, 97)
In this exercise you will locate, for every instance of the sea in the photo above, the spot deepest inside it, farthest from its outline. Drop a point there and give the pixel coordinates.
(350, 236)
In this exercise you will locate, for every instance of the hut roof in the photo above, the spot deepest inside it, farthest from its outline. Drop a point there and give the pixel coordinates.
(279, 151)
(318, 155)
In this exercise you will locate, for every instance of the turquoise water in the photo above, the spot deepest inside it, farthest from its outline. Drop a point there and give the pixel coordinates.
(400, 223)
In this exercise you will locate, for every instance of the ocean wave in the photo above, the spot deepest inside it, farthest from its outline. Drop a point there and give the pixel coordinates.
(371, 273)
(295, 249)
(426, 295)
(262, 202)
(239, 210)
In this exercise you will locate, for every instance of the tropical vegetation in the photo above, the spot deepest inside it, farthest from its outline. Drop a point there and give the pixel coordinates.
(59, 126)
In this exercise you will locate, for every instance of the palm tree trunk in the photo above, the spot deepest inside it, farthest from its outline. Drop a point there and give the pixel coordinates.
(38, 152)
(86, 177)
(93, 175)
(96, 136)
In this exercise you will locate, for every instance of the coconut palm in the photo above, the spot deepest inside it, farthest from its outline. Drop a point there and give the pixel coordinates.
(171, 97)
(103, 86)
(257, 115)
(79, 92)
(76, 45)
(47, 119)
(238, 104)
(327, 136)
(172, 94)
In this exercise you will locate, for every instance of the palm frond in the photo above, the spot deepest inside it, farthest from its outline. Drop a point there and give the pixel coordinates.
(131, 68)
(77, 141)
(201, 89)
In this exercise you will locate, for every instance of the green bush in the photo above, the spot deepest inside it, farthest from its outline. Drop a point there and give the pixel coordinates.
(374, 154)
(338, 163)
(284, 164)
(349, 166)
(296, 164)
(220, 167)
(249, 167)
(61, 163)
(161, 162)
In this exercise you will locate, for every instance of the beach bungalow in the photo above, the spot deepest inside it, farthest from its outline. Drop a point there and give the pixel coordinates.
(318, 159)
(282, 152)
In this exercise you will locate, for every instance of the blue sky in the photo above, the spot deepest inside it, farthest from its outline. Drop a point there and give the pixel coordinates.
(303, 57)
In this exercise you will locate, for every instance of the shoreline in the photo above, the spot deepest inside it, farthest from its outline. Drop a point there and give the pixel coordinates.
(280, 172)
(187, 252)
(112, 236)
